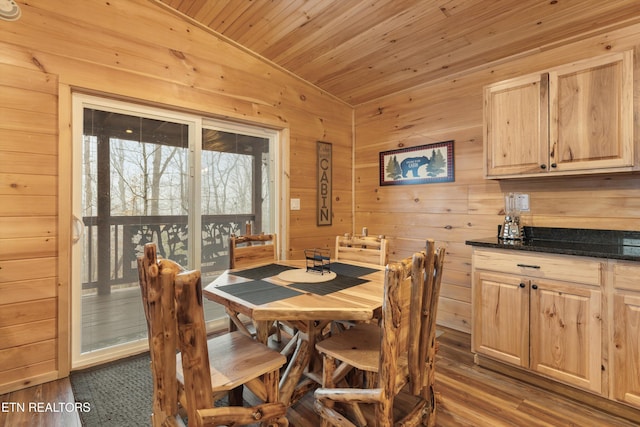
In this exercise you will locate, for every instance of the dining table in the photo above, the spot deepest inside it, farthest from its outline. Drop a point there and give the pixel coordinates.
(306, 299)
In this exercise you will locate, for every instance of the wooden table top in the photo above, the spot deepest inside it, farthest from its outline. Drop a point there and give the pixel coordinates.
(355, 294)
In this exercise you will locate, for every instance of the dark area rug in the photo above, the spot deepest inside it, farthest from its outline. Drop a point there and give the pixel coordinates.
(119, 393)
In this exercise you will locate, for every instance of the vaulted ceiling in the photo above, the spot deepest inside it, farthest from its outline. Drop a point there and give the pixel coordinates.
(362, 50)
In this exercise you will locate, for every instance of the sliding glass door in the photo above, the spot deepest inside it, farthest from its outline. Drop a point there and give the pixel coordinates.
(237, 188)
(146, 175)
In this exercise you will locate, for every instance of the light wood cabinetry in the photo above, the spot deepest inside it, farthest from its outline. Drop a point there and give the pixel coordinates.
(501, 317)
(625, 347)
(516, 135)
(566, 332)
(540, 312)
(573, 119)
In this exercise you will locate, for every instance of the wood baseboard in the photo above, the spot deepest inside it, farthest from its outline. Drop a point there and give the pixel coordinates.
(602, 403)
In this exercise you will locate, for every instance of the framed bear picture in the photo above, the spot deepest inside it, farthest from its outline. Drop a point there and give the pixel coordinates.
(424, 164)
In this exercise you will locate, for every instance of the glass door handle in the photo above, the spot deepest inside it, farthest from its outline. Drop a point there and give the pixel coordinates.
(78, 229)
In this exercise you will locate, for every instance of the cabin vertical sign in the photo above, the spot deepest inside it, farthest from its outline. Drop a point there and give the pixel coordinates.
(324, 182)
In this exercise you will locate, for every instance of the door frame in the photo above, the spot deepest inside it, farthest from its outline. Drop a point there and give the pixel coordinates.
(70, 306)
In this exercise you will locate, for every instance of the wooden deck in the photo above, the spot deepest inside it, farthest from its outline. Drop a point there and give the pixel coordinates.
(468, 395)
(118, 317)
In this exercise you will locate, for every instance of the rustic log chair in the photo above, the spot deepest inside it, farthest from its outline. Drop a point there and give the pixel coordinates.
(204, 370)
(397, 355)
(245, 251)
(368, 249)
(252, 249)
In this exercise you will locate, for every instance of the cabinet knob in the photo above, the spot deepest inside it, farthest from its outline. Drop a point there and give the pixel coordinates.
(534, 286)
(543, 166)
(553, 165)
(522, 285)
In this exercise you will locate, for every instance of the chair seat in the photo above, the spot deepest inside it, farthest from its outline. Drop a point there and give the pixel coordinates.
(235, 359)
(359, 346)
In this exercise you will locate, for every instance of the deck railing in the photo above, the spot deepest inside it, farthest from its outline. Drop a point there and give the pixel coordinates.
(111, 247)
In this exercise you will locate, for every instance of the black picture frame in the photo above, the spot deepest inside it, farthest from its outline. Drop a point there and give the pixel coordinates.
(424, 164)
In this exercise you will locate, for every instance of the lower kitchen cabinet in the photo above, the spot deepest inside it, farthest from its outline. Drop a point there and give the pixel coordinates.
(566, 332)
(625, 362)
(530, 311)
(500, 327)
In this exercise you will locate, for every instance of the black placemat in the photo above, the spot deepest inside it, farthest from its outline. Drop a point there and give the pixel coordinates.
(334, 285)
(259, 292)
(262, 272)
(351, 270)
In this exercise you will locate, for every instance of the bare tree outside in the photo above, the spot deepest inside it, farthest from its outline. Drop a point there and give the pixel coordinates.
(226, 183)
(149, 173)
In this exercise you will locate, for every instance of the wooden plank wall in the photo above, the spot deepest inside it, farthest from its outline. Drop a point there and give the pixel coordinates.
(28, 227)
(134, 50)
(472, 207)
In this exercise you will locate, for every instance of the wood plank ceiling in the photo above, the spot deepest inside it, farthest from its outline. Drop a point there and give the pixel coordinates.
(362, 50)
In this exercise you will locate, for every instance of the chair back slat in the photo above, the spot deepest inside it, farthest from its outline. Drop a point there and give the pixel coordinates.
(367, 249)
(252, 249)
(404, 304)
(156, 286)
(429, 319)
(193, 342)
(420, 274)
(394, 323)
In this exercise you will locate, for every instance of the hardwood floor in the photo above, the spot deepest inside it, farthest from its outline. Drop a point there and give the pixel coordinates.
(28, 407)
(468, 395)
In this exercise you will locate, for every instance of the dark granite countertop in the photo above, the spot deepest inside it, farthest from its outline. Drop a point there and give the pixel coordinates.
(612, 244)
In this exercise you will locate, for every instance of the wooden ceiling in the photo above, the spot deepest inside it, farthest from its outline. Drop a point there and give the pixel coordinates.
(362, 50)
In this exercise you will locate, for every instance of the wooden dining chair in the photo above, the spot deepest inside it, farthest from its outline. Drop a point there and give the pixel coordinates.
(246, 251)
(252, 249)
(367, 249)
(397, 356)
(204, 370)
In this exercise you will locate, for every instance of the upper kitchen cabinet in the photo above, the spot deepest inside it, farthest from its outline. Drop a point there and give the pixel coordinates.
(573, 119)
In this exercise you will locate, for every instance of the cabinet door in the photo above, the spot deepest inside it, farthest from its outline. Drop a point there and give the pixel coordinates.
(591, 114)
(516, 126)
(501, 317)
(625, 372)
(566, 333)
